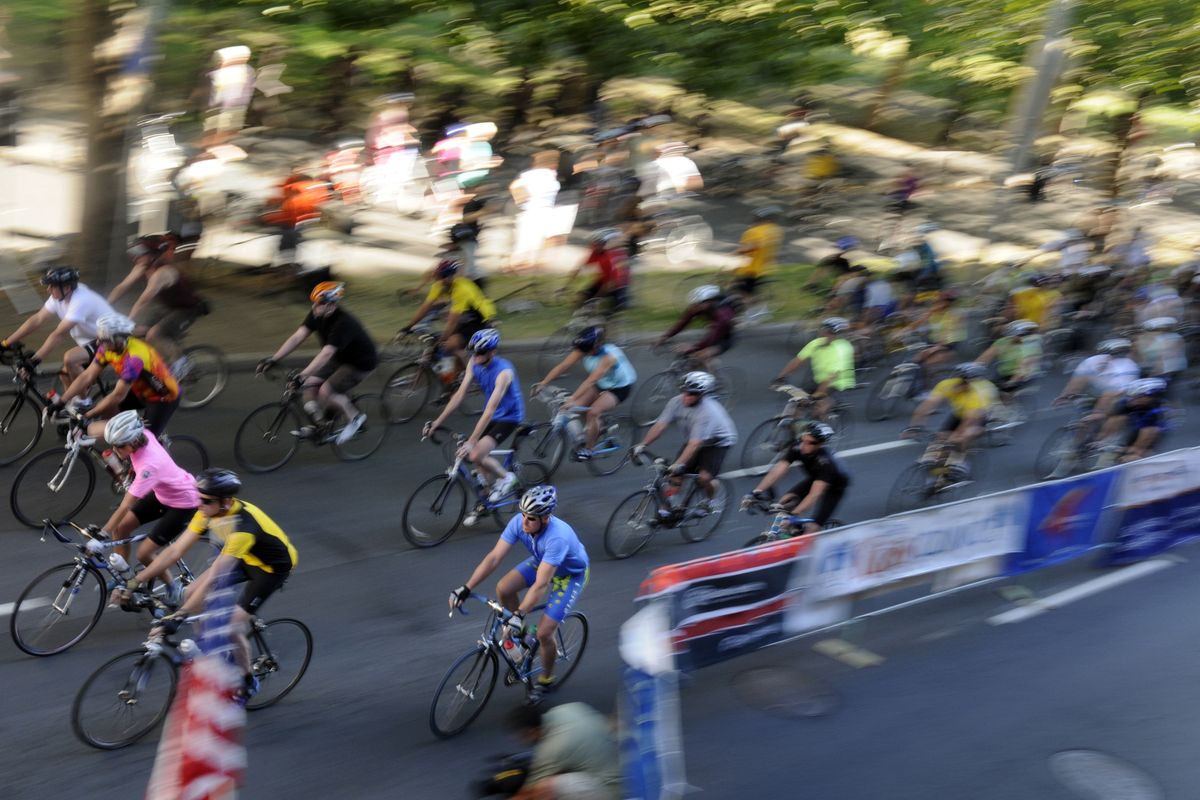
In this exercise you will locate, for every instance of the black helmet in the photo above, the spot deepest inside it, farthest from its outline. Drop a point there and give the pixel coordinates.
(61, 276)
(588, 338)
(217, 482)
(819, 431)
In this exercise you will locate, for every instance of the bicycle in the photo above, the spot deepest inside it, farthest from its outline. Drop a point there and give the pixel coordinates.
(20, 433)
(44, 608)
(653, 507)
(784, 526)
(411, 387)
(56, 485)
(270, 434)
(932, 482)
(771, 436)
(756, 310)
(201, 371)
(561, 342)
(905, 383)
(467, 686)
(652, 394)
(442, 499)
(679, 236)
(134, 691)
(1073, 447)
(549, 442)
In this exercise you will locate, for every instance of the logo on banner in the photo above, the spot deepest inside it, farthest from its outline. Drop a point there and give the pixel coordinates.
(1155, 479)
(1068, 514)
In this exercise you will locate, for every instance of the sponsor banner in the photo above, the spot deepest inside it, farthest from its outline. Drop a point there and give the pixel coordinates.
(717, 638)
(1064, 520)
(1158, 478)
(651, 745)
(1149, 529)
(675, 577)
(874, 554)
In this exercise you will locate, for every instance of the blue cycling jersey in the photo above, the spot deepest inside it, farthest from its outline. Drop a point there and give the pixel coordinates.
(619, 374)
(557, 545)
(512, 405)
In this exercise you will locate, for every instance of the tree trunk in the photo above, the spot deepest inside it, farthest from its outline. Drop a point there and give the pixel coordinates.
(891, 82)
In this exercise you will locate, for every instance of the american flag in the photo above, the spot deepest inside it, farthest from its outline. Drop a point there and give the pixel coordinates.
(201, 755)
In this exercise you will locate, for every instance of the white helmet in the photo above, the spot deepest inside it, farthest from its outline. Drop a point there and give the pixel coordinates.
(124, 428)
(702, 294)
(698, 383)
(110, 326)
(1159, 324)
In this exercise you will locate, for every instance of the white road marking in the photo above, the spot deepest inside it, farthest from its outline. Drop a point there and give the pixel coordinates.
(1085, 589)
(34, 602)
(853, 451)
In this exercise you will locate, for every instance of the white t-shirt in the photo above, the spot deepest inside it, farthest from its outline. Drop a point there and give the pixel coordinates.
(540, 187)
(83, 308)
(674, 173)
(1108, 374)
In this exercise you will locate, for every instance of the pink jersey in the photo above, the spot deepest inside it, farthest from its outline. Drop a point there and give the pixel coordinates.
(156, 472)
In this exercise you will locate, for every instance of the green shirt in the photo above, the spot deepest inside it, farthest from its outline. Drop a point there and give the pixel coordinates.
(831, 359)
(576, 738)
(1010, 355)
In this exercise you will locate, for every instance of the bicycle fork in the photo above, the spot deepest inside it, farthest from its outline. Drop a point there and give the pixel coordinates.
(64, 472)
(70, 587)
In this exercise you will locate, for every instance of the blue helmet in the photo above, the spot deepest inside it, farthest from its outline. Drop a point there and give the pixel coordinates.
(484, 341)
(587, 339)
(847, 243)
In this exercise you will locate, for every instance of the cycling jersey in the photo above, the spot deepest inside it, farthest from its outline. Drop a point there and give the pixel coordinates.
(720, 325)
(1035, 304)
(464, 296)
(980, 395)
(831, 359)
(155, 472)
(512, 405)
(947, 327)
(1108, 373)
(557, 545)
(346, 334)
(707, 421)
(249, 535)
(820, 465)
(621, 373)
(611, 269)
(1011, 355)
(140, 365)
(83, 309)
(765, 238)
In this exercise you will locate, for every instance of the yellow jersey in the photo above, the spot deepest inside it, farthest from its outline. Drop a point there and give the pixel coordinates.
(980, 395)
(248, 534)
(765, 238)
(464, 296)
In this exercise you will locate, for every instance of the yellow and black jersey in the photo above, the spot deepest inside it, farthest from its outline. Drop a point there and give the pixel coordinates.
(249, 534)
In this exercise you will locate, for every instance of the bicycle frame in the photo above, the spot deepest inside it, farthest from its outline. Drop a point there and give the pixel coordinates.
(492, 638)
(554, 398)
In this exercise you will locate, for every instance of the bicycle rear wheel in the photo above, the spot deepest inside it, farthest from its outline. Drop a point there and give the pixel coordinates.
(704, 515)
(202, 373)
(434, 511)
(631, 525)
(407, 392)
(279, 654)
(651, 397)
(767, 441)
(124, 699)
(543, 443)
(20, 426)
(371, 435)
(571, 637)
(58, 609)
(463, 692)
(268, 437)
(186, 451)
(34, 500)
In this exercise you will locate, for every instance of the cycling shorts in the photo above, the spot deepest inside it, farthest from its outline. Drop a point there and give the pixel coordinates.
(620, 392)
(564, 589)
(170, 521)
(500, 429)
(826, 505)
(260, 585)
(708, 458)
(156, 415)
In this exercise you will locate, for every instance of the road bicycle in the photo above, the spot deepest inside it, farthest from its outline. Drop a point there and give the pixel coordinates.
(24, 408)
(434, 375)
(437, 507)
(933, 479)
(56, 484)
(201, 371)
(773, 435)
(590, 313)
(563, 437)
(467, 686)
(1074, 447)
(652, 394)
(129, 695)
(60, 607)
(783, 526)
(661, 505)
(904, 384)
(270, 434)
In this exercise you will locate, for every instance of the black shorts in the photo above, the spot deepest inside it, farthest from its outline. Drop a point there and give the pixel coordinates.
(826, 505)
(156, 415)
(171, 521)
(620, 392)
(173, 323)
(618, 296)
(708, 458)
(952, 423)
(342, 377)
(469, 324)
(746, 284)
(260, 585)
(500, 429)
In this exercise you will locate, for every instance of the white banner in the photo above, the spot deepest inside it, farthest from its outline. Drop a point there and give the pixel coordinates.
(874, 554)
(1158, 478)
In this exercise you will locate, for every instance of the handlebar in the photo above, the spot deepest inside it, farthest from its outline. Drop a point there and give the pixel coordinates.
(503, 612)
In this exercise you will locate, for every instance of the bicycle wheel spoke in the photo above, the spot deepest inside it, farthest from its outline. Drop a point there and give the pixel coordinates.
(280, 652)
(463, 692)
(124, 700)
(57, 610)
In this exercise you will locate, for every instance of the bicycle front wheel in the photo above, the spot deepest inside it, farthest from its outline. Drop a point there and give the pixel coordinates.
(767, 441)
(267, 438)
(543, 443)
(371, 435)
(913, 489)
(50, 488)
(651, 397)
(434, 511)
(20, 426)
(188, 452)
(463, 692)
(632, 525)
(202, 373)
(124, 700)
(616, 439)
(407, 392)
(58, 609)
(279, 654)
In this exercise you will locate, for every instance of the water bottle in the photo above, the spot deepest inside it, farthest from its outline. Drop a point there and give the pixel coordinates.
(119, 566)
(114, 463)
(575, 427)
(531, 637)
(777, 525)
(514, 650)
(444, 368)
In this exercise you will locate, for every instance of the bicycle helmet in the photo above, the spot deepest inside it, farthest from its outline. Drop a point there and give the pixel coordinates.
(1114, 346)
(155, 244)
(767, 212)
(970, 371)
(217, 482)
(484, 341)
(588, 338)
(1146, 387)
(1020, 327)
(835, 324)
(123, 429)
(604, 236)
(327, 292)
(702, 294)
(112, 326)
(1159, 324)
(697, 383)
(61, 276)
(819, 431)
(540, 501)
(446, 268)
(847, 243)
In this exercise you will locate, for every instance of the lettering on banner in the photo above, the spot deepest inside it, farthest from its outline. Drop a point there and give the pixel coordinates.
(699, 596)
(1154, 479)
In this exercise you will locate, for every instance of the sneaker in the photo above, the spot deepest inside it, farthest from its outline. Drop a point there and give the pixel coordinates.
(538, 690)
(248, 689)
(352, 427)
(713, 505)
(473, 516)
(175, 592)
(503, 488)
(583, 454)
(304, 432)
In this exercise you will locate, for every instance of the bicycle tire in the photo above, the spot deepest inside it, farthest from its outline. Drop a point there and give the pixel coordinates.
(728, 379)
(911, 489)
(265, 665)
(202, 372)
(768, 439)
(33, 511)
(371, 435)
(698, 529)
(188, 452)
(556, 347)
(407, 392)
(449, 503)
(542, 443)
(612, 448)
(268, 427)
(143, 662)
(19, 432)
(403, 347)
(1059, 456)
(651, 397)
(568, 651)
(28, 606)
(482, 671)
(885, 397)
(640, 520)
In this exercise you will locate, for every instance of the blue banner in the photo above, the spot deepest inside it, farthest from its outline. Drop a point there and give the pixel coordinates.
(640, 756)
(1149, 529)
(1064, 520)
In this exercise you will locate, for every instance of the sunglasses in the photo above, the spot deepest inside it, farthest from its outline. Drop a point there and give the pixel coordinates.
(207, 501)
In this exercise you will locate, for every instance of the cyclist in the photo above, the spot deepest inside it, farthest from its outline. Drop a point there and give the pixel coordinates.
(254, 551)
(1018, 356)
(78, 308)
(555, 573)
(144, 382)
(502, 413)
(609, 382)
(575, 756)
(161, 492)
(705, 302)
(1163, 350)
(825, 479)
(971, 397)
(470, 310)
(1109, 373)
(709, 430)
(832, 357)
(612, 270)
(1035, 301)
(347, 356)
(760, 245)
(1144, 413)
(153, 259)
(947, 330)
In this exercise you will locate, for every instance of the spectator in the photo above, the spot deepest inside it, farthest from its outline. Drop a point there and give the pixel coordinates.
(574, 753)
(534, 191)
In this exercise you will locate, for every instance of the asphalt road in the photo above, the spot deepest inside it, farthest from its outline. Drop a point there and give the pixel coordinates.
(357, 725)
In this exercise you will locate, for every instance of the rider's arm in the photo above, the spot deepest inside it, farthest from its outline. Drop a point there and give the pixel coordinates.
(451, 323)
(720, 328)
(125, 285)
(690, 449)
(62, 330)
(810, 500)
(987, 356)
(656, 430)
(571, 359)
(922, 412)
(455, 399)
(502, 383)
(197, 592)
(292, 343)
(679, 325)
(794, 364)
(421, 312)
(85, 379)
(488, 565)
(1073, 386)
(537, 592)
(599, 372)
(170, 554)
(777, 471)
(319, 360)
(111, 402)
(154, 284)
(115, 520)
(35, 321)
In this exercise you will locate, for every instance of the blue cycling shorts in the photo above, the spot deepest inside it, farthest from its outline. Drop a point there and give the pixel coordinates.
(564, 589)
